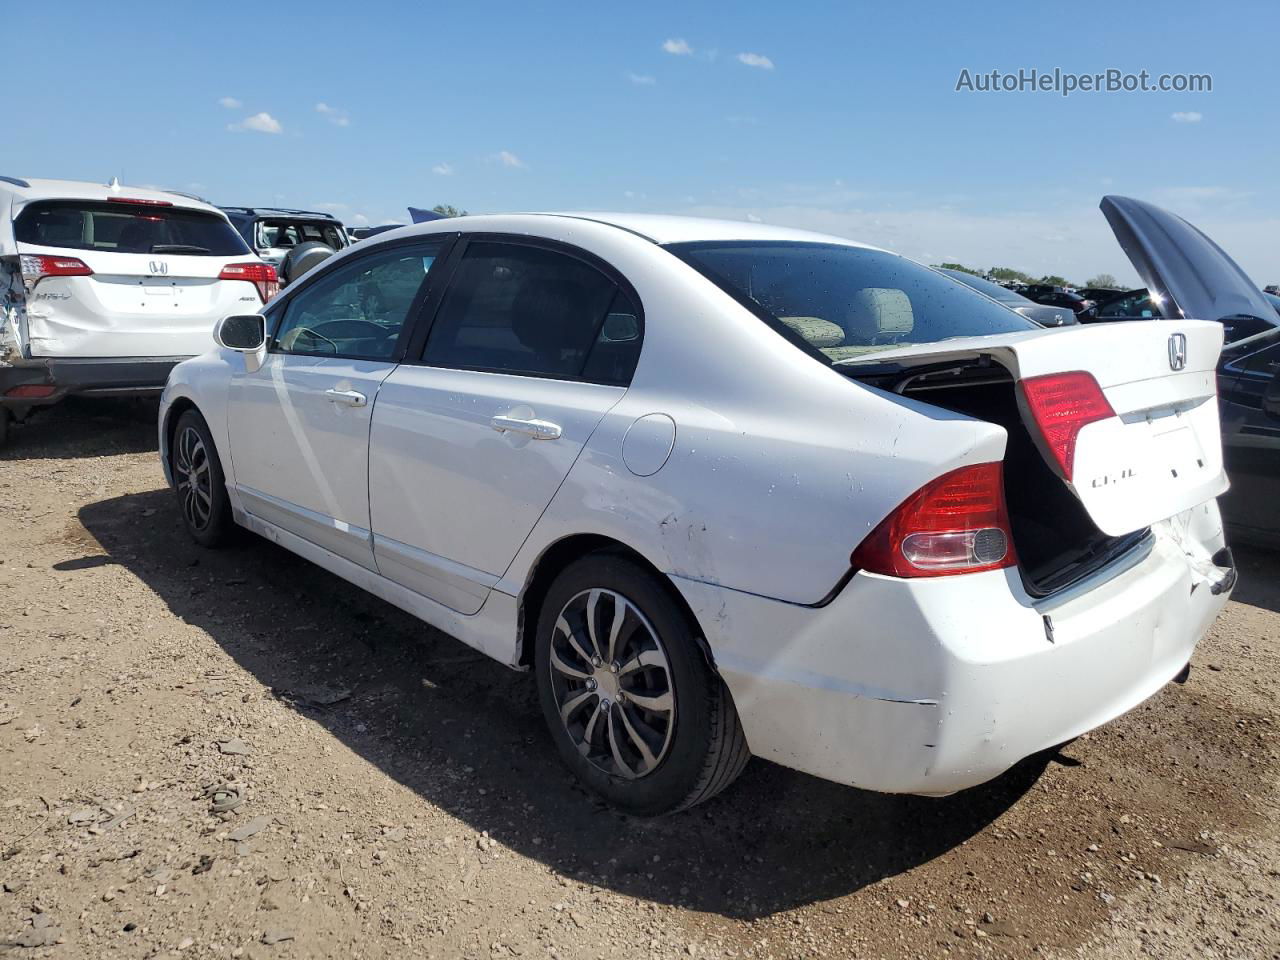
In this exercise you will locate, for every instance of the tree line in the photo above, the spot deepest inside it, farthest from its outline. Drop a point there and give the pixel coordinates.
(1018, 276)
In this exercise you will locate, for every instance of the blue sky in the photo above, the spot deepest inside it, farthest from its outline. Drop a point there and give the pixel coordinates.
(841, 117)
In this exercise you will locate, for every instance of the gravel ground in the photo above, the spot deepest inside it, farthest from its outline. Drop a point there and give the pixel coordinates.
(397, 795)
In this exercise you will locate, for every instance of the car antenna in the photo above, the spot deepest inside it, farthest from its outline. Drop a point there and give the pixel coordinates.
(114, 184)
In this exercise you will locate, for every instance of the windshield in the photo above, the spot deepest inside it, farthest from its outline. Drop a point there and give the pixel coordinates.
(126, 228)
(992, 290)
(841, 302)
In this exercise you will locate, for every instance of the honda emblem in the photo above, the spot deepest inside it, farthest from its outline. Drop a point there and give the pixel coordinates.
(1177, 351)
(158, 268)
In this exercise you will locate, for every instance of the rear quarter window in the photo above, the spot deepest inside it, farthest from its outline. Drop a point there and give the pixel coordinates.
(125, 228)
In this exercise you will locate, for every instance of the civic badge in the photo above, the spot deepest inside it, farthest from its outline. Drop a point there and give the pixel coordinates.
(1177, 351)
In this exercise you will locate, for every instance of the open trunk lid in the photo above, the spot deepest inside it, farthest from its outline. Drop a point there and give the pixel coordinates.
(1175, 260)
(1157, 452)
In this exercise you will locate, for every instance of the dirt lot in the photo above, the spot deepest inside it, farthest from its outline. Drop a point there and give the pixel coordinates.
(400, 798)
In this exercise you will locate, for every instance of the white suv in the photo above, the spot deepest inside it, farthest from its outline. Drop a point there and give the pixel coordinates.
(104, 288)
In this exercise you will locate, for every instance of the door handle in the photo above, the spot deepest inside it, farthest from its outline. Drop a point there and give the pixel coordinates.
(350, 398)
(538, 429)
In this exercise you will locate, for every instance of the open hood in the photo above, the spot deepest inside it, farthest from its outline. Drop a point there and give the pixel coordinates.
(1176, 260)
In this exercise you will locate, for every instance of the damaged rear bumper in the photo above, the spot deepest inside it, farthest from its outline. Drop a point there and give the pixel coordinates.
(27, 383)
(932, 686)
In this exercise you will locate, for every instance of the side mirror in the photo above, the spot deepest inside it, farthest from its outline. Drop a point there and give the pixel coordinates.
(244, 333)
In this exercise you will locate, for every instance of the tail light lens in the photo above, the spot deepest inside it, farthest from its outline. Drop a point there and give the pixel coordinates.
(261, 275)
(957, 523)
(1063, 404)
(31, 391)
(35, 267)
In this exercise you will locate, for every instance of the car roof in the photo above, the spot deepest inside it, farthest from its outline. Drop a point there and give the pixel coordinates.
(657, 228)
(23, 190)
(278, 213)
(669, 228)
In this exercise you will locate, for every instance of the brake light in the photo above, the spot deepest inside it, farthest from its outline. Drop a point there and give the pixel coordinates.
(1063, 404)
(31, 391)
(957, 523)
(261, 275)
(35, 267)
(139, 200)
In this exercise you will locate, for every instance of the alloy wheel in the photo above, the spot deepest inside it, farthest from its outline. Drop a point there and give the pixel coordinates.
(613, 684)
(193, 478)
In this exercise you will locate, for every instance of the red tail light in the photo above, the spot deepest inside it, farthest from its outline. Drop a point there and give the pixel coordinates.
(957, 523)
(35, 267)
(31, 391)
(1062, 404)
(261, 275)
(139, 200)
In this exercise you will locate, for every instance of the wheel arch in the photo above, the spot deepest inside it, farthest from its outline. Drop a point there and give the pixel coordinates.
(557, 557)
(179, 406)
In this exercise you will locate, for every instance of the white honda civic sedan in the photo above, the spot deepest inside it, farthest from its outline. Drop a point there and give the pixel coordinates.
(728, 489)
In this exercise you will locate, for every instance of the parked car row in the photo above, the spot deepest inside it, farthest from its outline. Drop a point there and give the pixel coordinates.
(869, 522)
(106, 287)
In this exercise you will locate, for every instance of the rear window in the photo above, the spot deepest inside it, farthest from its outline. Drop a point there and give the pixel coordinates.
(125, 228)
(844, 302)
(290, 233)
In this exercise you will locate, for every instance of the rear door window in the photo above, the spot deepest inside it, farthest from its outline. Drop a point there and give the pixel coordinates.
(528, 310)
(841, 302)
(112, 227)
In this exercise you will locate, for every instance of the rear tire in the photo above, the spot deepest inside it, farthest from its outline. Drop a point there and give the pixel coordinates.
(199, 482)
(652, 729)
(5, 418)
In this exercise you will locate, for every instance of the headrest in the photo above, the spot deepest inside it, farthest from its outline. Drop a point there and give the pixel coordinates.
(816, 331)
(885, 310)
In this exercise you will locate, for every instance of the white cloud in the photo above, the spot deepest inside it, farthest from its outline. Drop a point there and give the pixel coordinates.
(508, 159)
(1186, 116)
(259, 122)
(359, 220)
(334, 115)
(231, 103)
(641, 79)
(756, 60)
(677, 46)
(443, 169)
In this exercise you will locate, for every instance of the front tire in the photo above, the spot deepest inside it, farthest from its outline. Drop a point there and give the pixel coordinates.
(634, 708)
(199, 482)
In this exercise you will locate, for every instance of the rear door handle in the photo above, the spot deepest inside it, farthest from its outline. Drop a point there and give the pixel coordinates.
(349, 398)
(538, 429)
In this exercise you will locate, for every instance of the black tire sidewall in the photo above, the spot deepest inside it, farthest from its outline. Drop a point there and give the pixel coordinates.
(220, 523)
(676, 777)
